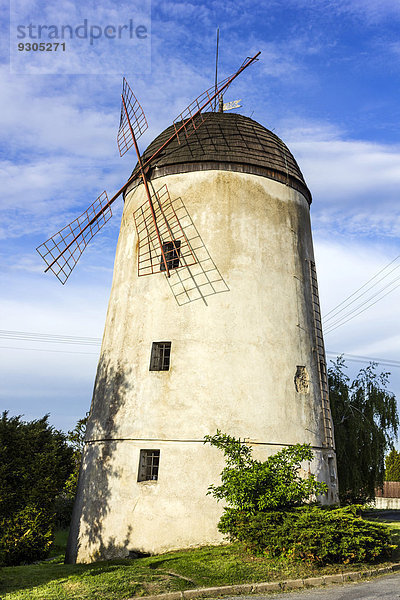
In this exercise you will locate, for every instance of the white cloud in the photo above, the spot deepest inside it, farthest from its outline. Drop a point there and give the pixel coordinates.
(40, 377)
(343, 267)
(374, 11)
(60, 135)
(34, 118)
(354, 183)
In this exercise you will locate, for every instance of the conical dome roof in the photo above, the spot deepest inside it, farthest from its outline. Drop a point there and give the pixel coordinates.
(230, 142)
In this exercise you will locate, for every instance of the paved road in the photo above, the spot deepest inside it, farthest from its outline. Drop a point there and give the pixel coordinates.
(387, 587)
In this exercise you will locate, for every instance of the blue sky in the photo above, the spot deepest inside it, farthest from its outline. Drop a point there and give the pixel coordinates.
(327, 84)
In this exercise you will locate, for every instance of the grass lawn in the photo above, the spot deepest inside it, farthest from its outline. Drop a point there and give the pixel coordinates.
(119, 579)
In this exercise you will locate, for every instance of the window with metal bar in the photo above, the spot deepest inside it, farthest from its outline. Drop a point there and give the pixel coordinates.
(160, 356)
(149, 461)
(172, 251)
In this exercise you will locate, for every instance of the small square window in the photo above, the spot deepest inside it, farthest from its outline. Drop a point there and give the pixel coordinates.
(172, 251)
(148, 465)
(160, 356)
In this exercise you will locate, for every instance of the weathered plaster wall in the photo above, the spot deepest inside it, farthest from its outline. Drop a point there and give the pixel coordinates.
(233, 366)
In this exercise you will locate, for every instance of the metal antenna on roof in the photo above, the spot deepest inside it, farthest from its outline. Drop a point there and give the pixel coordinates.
(216, 71)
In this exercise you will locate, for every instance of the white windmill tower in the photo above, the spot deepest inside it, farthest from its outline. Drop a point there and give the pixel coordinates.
(237, 345)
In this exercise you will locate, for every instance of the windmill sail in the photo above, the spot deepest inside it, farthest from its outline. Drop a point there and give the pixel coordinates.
(132, 121)
(195, 114)
(62, 251)
(175, 229)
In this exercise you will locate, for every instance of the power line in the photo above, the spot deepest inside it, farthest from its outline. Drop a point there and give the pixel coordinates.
(354, 312)
(356, 358)
(84, 340)
(48, 350)
(49, 338)
(366, 302)
(363, 294)
(362, 287)
(329, 330)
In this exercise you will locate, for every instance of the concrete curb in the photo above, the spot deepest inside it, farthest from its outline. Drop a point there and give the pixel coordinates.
(271, 586)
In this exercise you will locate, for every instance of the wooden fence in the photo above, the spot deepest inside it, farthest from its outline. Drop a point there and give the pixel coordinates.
(391, 489)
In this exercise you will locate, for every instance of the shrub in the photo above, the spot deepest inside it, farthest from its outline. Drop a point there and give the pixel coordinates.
(317, 534)
(26, 536)
(63, 507)
(253, 485)
(35, 462)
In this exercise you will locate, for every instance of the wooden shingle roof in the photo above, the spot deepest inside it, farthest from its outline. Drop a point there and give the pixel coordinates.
(231, 142)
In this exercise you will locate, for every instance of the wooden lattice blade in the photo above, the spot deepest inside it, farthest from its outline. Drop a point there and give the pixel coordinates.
(62, 251)
(174, 227)
(194, 115)
(132, 116)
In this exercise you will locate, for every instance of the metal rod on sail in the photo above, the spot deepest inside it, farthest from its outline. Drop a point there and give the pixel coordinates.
(146, 186)
(144, 165)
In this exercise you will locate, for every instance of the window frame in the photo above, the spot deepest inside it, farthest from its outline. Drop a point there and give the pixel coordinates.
(160, 357)
(148, 471)
(172, 253)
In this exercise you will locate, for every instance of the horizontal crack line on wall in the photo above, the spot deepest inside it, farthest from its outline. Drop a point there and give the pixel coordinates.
(248, 441)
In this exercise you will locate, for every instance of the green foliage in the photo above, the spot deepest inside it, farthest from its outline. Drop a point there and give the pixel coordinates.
(63, 506)
(365, 418)
(312, 533)
(392, 464)
(26, 536)
(64, 502)
(35, 462)
(76, 438)
(252, 485)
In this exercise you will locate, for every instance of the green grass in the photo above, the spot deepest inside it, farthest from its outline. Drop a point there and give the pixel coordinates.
(120, 579)
(385, 516)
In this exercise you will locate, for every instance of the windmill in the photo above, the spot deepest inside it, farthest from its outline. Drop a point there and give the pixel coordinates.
(163, 243)
(250, 362)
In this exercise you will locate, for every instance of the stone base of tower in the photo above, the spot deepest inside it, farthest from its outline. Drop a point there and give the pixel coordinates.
(115, 515)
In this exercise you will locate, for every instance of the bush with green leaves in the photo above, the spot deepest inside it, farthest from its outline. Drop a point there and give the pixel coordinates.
(35, 463)
(253, 485)
(26, 536)
(313, 533)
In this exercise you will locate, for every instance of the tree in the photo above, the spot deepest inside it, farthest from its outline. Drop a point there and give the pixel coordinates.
(65, 500)
(35, 462)
(392, 464)
(365, 419)
(76, 439)
(251, 485)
